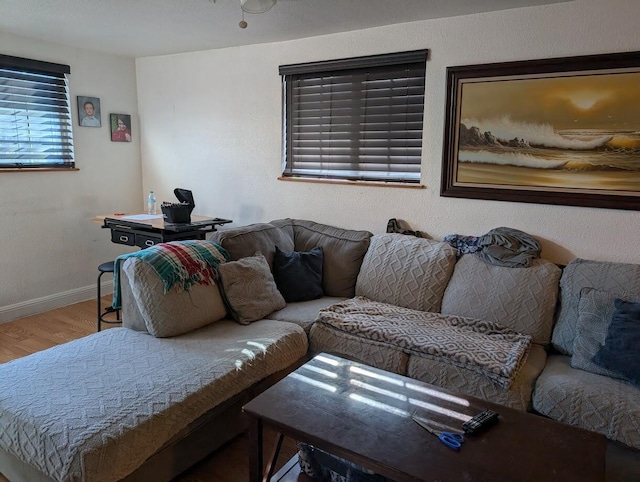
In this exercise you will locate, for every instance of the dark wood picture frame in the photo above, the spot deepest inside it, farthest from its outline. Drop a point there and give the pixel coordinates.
(120, 127)
(560, 163)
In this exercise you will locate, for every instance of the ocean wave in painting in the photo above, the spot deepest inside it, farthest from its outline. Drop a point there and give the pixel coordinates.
(509, 159)
(540, 135)
(521, 159)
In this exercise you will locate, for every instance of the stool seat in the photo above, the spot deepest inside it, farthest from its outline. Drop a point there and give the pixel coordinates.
(107, 267)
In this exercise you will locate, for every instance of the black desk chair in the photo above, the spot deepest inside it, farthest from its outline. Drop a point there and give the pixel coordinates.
(107, 267)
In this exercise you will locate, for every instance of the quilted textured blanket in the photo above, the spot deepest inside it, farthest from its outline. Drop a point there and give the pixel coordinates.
(96, 408)
(478, 345)
(186, 262)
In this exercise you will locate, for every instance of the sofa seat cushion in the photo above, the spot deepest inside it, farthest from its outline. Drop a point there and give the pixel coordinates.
(303, 313)
(522, 299)
(615, 278)
(324, 338)
(593, 402)
(406, 271)
(96, 408)
(467, 382)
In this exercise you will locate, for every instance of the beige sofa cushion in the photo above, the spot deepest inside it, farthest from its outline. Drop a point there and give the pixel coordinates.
(167, 314)
(98, 407)
(303, 313)
(595, 312)
(522, 299)
(593, 402)
(344, 250)
(584, 273)
(263, 237)
(406, 271)
(249, 289)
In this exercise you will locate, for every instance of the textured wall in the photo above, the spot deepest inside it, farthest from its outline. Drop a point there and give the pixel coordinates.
(49, 249)
(211, 122)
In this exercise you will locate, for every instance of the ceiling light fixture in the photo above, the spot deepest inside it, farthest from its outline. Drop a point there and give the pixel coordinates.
(257, 6)
(253, 6)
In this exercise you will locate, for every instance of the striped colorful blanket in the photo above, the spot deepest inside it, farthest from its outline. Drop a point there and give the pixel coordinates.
(182, 263)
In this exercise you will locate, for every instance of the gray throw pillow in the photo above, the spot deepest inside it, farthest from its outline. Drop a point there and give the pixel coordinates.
(621, 350)
(595, 311)
(249, 289)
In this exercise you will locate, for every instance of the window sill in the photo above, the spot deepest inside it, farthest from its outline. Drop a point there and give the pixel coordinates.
(38, 169)
(353, 183)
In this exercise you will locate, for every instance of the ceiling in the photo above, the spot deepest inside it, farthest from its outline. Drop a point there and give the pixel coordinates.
(139, 28)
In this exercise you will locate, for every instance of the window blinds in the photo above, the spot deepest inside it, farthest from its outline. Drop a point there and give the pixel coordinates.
(355, 119)
(35, 114)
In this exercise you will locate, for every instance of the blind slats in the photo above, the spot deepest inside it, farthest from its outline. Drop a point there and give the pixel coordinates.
(355, 123)
(35, 115)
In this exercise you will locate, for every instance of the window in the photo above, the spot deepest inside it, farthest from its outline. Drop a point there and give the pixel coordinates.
(35, 115)
(355, 119)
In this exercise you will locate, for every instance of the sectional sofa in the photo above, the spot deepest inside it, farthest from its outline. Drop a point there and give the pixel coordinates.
(564, 313)
(147, 401)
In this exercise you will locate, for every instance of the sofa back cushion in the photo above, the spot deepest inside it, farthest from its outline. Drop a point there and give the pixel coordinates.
(595, 314)
(167, 314)
(343, 252)
(263, 237)
(406, 271)
(615, 278)
(522, 299)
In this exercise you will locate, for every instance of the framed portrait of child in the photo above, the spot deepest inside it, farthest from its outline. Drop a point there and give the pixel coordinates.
(89, 111)
(120, 127)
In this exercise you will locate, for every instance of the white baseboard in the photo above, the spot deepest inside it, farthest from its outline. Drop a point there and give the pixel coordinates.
(51, 302)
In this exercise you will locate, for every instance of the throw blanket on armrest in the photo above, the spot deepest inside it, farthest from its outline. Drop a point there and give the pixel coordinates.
(482, 346)
(177, 262)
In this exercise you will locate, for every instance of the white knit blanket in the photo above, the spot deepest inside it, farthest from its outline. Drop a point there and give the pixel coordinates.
(96, 408)
(478, 345)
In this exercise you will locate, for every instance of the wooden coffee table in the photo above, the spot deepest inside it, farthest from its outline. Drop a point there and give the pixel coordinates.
(364, 414)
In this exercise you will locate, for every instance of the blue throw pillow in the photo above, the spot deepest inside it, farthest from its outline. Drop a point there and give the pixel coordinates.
(621, 350)
(298, 274)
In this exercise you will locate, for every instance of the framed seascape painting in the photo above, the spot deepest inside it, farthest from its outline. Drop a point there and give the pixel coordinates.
(88, 111)
(555, 131)
(120, 127)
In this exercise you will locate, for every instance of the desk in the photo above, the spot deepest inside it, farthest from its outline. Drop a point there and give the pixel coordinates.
(135, 230)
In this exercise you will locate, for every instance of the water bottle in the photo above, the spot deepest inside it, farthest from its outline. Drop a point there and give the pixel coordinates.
(151, 203)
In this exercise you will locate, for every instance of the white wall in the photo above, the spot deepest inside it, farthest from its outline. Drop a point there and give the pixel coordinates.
(49, 249)
(211, 122)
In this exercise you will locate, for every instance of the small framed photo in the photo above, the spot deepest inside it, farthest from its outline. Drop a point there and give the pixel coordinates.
(120, 127)
(89, 111)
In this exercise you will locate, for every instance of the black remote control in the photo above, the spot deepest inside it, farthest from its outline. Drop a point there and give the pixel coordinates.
(479, 422)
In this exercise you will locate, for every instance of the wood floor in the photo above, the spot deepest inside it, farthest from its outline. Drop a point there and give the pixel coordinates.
(28, 335)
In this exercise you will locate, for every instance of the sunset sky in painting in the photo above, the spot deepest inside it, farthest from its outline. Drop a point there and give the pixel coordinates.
(604, 101)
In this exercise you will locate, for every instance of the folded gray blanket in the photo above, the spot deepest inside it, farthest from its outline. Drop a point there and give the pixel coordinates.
(478, 345)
